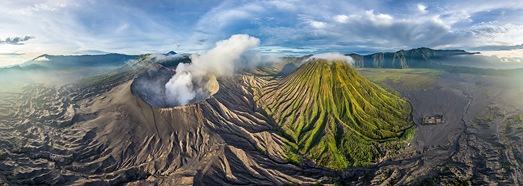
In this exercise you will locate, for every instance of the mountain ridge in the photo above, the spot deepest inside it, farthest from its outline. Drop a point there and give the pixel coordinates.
(428, 58)
(110, 59)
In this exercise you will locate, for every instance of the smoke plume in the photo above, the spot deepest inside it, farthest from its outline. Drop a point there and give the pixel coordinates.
(197, 80)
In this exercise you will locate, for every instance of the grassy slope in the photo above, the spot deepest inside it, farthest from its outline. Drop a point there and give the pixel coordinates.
(334, 116)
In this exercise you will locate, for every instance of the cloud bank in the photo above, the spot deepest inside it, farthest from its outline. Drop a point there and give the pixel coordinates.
(332, 56)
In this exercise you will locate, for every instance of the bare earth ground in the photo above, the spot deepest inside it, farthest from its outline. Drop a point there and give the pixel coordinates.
(54, 136)
(481, 143)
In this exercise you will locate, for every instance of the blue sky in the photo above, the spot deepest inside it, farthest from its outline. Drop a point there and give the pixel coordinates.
(29, 28)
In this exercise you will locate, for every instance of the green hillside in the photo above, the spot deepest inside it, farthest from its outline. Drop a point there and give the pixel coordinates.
(334, 116)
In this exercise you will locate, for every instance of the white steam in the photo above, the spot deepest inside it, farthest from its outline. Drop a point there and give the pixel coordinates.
(332, 56)
(252, 58)
(180, 85)
(221, 59)
(192, 80)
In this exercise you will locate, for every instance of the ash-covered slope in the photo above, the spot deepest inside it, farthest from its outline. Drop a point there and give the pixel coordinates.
(334, 116)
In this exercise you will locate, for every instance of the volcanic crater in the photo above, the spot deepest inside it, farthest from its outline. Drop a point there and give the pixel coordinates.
(152, 87)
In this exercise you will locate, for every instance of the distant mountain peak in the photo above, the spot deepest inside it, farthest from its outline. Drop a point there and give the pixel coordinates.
(171, 53)
(44, 57)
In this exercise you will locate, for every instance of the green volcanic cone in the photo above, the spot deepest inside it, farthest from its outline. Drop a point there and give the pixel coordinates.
(335, 117)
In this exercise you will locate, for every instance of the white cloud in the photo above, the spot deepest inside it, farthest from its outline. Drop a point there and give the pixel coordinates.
(45, 6)
(518, 53)
(211, 24)
(317, 24)
(341, 18)
(16, 40)
(64, 27)
(379, 19)
(285, 5)
(285, 50)
(495, 34)
(422, 8)
(332, 56)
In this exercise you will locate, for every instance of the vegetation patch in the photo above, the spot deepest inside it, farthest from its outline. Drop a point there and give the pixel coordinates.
(491, 114)
(2, 154)
(519, 118)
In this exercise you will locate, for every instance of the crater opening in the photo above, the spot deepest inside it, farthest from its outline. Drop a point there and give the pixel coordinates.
(162, 87)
